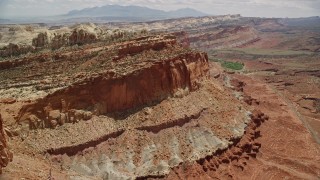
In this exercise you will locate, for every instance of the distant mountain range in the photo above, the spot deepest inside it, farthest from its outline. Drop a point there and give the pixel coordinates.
(132, 13)
(309, 21)
(108, 13)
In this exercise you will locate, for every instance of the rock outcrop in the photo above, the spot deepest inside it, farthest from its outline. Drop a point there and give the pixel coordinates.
(59, 40)
(151, 100)
(15, 49)
(112, 91)
(53, 39)
(41, 41)
(236, 156)
(148, 108)
(5, 154)
(81, 36)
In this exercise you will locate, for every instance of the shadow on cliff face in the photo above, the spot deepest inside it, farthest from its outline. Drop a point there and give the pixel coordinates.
(111, 92)
(122, 115)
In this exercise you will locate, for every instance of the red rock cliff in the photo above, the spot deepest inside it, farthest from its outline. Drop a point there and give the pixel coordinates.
(6, 155)
(111, 91)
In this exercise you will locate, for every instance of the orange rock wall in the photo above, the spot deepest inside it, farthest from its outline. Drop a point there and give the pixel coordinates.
(110, 93)
(6, 155)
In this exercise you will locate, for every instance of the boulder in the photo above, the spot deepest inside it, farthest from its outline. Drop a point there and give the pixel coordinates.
(35, 122)
(54, 118)
(54, 114)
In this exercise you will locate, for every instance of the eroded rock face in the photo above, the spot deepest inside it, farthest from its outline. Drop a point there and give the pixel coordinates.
(15, 49)
(6, 155)
(112, 92)
(42, 40)
(236, 155)
(105, 94)
(149, 142)
(57, 40)
(132, 48)
(81, 37)
(135, 109)
(220, 37)
(131, 110)
(45, 38)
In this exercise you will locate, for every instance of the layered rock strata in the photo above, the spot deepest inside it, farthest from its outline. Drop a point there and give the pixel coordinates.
(130, 110)
(6, 155)
(111, 92)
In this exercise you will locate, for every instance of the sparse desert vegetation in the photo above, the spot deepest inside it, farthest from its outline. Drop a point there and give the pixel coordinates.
(232, 65)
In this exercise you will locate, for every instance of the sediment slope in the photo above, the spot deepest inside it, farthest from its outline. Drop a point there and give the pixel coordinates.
(127, 110)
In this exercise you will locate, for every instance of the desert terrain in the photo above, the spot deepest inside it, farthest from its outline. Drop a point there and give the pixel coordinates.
(214, 97)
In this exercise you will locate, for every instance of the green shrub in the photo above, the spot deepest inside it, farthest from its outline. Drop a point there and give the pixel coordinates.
(232, 65)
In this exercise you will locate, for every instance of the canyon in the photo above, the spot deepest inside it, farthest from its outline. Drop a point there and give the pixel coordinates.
(149, 101)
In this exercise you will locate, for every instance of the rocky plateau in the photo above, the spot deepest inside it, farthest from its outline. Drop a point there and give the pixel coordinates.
(149, 101)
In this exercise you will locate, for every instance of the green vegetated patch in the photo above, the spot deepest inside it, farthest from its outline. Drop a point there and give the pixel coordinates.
(232, 65)
(237, 66)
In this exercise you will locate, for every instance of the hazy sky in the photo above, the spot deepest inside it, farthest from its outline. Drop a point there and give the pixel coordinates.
(262, 8)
